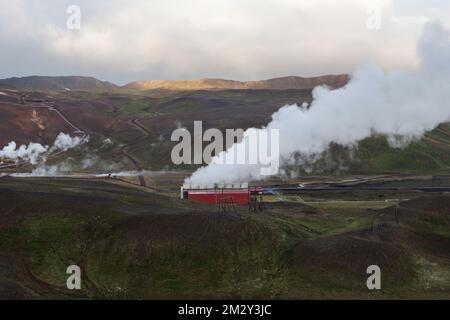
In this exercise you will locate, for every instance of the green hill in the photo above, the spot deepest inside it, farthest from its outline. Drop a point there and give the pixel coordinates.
(110, 115)
(135, 244)
(374, 155)
(253, 108)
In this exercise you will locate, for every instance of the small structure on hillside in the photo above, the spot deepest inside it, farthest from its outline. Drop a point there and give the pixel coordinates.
(223, 195)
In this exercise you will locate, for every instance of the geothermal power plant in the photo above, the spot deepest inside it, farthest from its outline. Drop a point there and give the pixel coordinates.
(240, 180)
(221, 194)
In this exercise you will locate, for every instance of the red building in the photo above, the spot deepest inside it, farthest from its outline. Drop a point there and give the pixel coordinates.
(236, 193)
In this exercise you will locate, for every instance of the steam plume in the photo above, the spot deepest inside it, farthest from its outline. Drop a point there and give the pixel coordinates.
(30, 153)
(397, 104)
(35, 152)
(65, 142)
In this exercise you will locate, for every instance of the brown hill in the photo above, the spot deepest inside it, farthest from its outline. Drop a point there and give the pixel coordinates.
(41, 83)
(284, 83)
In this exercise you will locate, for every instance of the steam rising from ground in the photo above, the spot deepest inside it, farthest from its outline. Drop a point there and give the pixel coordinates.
(133, 173)
(65, 142)
(401, 105)
(64, 170)
(32, 152)
(35, 153)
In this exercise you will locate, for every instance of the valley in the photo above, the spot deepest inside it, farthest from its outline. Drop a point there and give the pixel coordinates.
(121, 218)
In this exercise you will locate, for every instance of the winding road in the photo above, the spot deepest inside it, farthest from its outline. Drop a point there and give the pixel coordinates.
(124, 148)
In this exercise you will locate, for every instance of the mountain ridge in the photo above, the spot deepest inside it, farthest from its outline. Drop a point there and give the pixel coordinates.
(281, 83)
(57, 83)
(81, 83)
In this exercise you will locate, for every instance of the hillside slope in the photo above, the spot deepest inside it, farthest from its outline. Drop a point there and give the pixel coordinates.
(40, 83)
(110, 115)
(133, 244)
(284, 83)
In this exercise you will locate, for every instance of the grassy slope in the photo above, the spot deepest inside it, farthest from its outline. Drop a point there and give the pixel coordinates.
(430, 154)
(169, 249)
(105, 114)
(374, 155)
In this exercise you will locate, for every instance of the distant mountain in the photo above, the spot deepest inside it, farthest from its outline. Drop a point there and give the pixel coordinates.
(284, 83)
(44, 83)
(40, 83)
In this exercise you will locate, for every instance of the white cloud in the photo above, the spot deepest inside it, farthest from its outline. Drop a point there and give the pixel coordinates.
(125, 40)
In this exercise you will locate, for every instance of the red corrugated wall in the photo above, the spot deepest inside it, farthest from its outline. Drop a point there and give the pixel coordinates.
(215, 197)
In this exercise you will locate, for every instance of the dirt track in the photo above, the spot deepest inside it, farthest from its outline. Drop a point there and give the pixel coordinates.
(142, 128)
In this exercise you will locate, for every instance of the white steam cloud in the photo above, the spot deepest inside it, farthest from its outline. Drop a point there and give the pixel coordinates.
(397, 104)
(30, 153)
(65, 142)
(35, 153)
(44, 170)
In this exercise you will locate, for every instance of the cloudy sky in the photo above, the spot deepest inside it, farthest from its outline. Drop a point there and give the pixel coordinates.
(126, 40)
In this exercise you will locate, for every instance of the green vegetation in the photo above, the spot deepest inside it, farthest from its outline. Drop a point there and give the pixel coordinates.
(136, 106)
(376, 155)
(373, 155)
(108, 113)
(171, 250)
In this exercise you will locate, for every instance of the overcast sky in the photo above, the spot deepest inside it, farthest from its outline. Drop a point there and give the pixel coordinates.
(126, 40)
